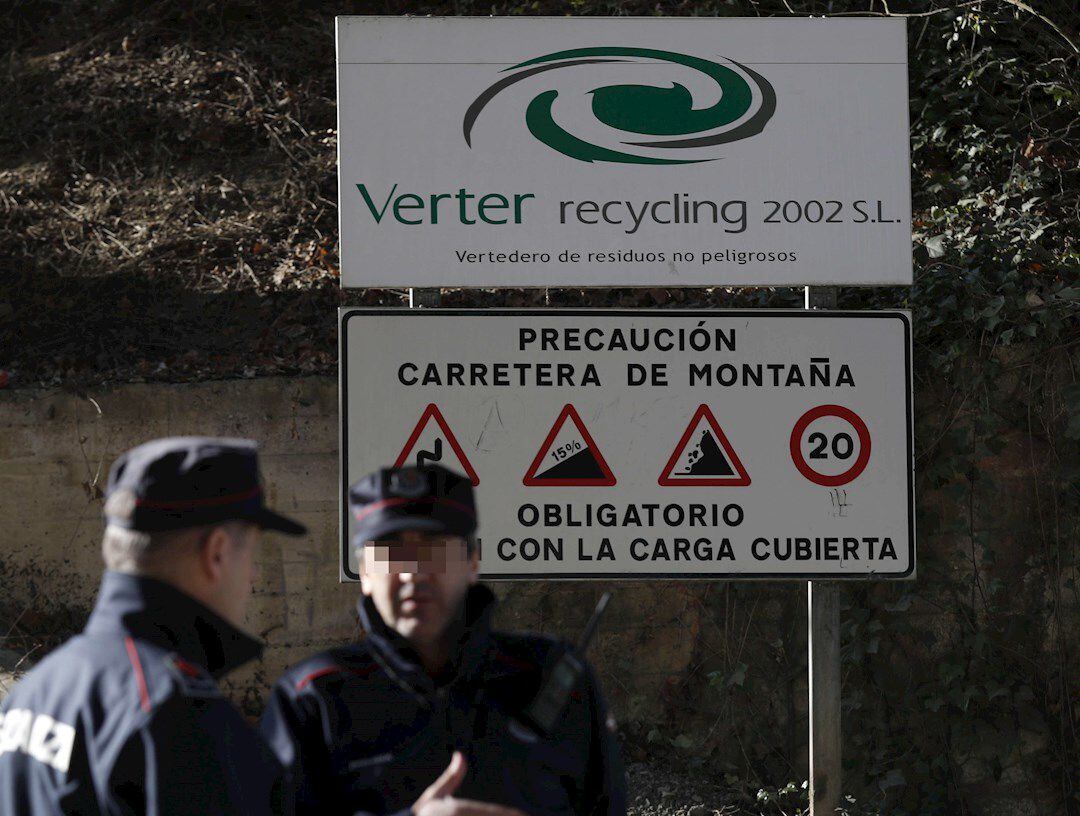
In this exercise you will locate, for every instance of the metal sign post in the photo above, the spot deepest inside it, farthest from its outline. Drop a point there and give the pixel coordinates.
(823, 615)
(823, 663)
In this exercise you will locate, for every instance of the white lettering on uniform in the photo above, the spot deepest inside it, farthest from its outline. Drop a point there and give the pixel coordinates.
(51, 742)
(40, 737)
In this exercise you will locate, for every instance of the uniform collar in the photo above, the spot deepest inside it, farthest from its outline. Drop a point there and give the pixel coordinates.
(158, 612)
(396, 655)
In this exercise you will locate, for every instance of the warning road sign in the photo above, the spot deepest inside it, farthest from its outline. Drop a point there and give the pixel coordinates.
(433, 441)
(569, 457)
(703, 457)
(647, 443)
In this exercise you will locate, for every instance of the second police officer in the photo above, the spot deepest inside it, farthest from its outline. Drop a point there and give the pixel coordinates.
(424, 715)
(127, 717)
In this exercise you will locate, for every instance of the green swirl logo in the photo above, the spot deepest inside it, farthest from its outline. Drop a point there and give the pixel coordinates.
(643, 110)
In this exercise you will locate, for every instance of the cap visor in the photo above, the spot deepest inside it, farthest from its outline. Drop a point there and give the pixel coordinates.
(397, 524)
(269, 520)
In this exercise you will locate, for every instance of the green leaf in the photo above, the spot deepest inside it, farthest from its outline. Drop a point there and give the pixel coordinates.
(950, 670)
(682, 742)
(893, 779)
(934, 246)
(994, 306)
(737, 676)
(903, 603)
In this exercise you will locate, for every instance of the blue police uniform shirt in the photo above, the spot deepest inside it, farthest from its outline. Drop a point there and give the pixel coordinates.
(364, 730)
(127, 717)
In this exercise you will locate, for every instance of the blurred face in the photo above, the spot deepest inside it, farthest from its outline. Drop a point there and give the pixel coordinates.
(232, 549)
(418, 581)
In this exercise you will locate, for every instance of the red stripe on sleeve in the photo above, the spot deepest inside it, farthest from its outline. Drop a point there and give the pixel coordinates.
(303, 682)
(140, 678)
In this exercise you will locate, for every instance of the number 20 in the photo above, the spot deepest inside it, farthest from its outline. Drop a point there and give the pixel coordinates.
(842, 446)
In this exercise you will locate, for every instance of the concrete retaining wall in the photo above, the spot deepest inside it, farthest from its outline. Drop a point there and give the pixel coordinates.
(55, 451)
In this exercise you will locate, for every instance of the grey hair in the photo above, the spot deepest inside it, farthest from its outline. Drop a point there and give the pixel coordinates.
(133, 551)
(125, 550)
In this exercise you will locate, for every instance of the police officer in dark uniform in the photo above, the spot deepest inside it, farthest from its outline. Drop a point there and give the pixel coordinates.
(427, 713)
(127, 717)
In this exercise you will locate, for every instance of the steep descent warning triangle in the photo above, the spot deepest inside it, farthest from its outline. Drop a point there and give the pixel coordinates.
(569, 457)
(704, 457)
(433, 441)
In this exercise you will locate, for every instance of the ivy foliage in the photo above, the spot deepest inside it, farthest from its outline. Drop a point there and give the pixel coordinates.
(961, 686)
(995, 309)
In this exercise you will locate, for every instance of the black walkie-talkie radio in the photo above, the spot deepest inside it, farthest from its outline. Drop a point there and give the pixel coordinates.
(542, 714)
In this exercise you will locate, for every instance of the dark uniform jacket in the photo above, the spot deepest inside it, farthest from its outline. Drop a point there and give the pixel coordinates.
(127, 718)
(364, 729)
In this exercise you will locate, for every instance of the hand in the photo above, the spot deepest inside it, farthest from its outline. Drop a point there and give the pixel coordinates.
(439, 800)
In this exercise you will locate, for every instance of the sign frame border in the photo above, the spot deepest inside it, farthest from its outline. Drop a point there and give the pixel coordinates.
(346, 313)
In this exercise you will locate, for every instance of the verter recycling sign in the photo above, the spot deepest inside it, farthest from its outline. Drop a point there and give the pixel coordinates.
(604, 152)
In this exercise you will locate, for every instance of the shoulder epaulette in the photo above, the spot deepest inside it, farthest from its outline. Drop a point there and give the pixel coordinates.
(351, 660)
(191, 680)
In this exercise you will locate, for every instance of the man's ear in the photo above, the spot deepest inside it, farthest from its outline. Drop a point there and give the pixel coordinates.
(213, 552)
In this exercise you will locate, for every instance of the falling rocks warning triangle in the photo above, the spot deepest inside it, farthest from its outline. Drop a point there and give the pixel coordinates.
(432, 441)
(704, 457)
(568, 457)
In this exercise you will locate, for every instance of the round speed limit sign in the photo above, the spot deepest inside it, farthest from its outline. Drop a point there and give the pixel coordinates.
(830, 445)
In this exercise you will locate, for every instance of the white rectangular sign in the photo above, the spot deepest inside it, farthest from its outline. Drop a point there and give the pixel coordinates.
(647, 444)
(623, 151)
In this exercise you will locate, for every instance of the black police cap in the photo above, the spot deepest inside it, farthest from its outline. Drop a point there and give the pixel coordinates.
(189, 481)
(392, 500)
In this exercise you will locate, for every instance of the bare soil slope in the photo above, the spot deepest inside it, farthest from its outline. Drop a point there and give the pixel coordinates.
(168, 191)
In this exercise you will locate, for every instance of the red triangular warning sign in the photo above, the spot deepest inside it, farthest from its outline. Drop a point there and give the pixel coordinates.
(704, 457)
(425, 444)
(569, 457)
